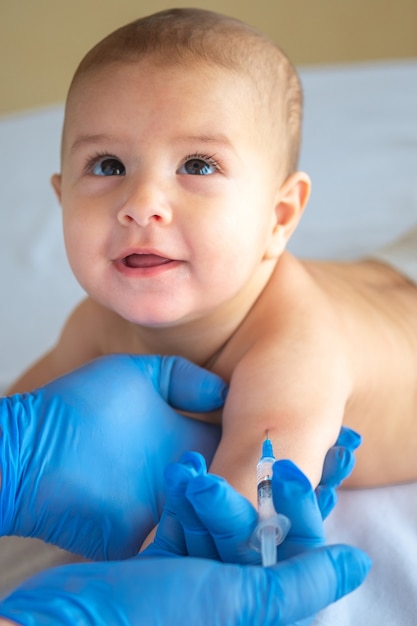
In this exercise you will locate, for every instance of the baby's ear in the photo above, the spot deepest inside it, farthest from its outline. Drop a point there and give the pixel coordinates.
(292, 197)
(56, 182)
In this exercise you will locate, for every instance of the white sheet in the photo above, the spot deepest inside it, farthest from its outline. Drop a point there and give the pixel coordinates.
(360, 147)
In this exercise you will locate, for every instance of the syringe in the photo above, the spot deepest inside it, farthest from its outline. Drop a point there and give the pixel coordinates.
(272, 528)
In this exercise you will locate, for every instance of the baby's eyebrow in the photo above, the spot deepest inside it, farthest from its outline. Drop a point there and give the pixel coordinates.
(89, 139)
(220, 139)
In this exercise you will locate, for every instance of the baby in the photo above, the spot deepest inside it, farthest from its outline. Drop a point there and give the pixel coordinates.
(180, 191)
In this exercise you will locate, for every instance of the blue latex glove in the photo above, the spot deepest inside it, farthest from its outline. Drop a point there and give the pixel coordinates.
(338, 465)
(156, 589)
(177, 591)
(205, 517)
(82, 459)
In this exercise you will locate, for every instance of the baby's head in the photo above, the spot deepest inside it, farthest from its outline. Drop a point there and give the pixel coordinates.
(179, 152)
(193, 38)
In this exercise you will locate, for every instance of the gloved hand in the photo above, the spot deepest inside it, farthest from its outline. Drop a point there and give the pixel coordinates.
(205, 517)
(82, 459)
(156, 589)
(176, 591)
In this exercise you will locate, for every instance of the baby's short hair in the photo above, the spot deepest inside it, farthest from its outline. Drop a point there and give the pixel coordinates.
(190, 36)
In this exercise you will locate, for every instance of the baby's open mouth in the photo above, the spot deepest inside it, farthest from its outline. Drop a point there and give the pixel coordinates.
(144, 260)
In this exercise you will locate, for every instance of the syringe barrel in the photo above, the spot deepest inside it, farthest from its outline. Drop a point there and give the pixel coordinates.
(264, 469)
(266, 507)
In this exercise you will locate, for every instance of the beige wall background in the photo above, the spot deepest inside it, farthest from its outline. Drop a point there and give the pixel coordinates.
(42, 41)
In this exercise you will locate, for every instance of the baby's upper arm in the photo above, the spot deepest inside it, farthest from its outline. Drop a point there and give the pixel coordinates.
(78, 343)
(290, 389)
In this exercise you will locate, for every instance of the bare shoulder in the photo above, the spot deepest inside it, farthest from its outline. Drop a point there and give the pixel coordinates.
(294, 312)
(295, 305)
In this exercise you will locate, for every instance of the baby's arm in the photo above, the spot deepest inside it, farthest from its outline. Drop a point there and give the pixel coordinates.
(293, 388)
(349, 355)
(77, 345)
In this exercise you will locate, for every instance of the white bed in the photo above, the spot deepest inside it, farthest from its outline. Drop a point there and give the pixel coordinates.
(360, 147)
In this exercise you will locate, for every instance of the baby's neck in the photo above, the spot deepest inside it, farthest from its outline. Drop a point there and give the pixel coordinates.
(203, 339)
(200, 341)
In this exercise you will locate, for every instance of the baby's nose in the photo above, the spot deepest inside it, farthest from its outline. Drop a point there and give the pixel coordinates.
(145, 203)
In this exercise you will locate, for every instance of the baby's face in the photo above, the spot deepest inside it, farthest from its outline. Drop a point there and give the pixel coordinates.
(168, 190)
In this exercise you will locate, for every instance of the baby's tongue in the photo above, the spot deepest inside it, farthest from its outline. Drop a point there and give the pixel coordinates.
(145, 260)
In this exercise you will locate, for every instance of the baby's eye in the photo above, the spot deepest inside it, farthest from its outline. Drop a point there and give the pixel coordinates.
(108, 166)
(197, 166)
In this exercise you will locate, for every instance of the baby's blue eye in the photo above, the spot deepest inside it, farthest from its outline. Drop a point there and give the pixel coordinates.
(108, 167)
(197, 167)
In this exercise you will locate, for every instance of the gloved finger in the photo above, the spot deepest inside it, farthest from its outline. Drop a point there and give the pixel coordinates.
(326, 500)
(340, 459)
(344, 461)
(294, 497)
(303, 586)
(348, 438)
(338, 465)
(189, 387)
(180, 531)
(169, 538)
(229, 517)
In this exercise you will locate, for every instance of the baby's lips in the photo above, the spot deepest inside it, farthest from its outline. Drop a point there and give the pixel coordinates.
(144, 260)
